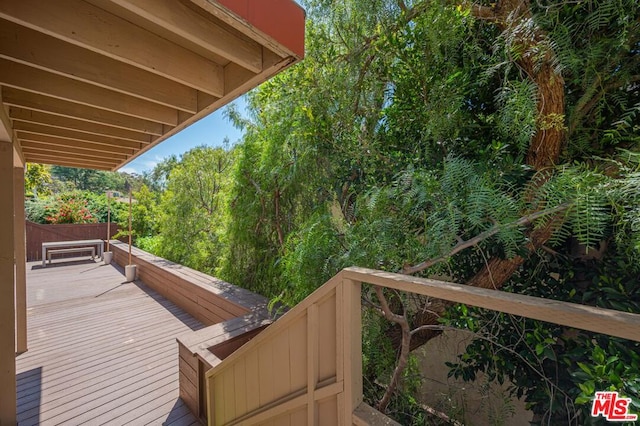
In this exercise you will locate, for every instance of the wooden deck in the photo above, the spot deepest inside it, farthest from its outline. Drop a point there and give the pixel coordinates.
(101, 351)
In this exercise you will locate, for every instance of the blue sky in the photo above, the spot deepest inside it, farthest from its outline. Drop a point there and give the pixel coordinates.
(211, 131)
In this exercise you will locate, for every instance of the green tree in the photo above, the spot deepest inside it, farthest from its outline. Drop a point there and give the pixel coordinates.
(97, 181)
(483, 142)
(37, 179)
(193, 207)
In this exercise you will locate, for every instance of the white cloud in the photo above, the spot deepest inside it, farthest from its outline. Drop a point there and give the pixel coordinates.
(130, 170)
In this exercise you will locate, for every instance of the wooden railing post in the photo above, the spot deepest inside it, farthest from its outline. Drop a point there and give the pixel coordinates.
(352, 346)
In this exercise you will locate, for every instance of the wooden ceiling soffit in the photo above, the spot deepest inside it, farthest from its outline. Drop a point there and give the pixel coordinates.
(106, 80)
(85, 25)
(66, 161)
(52, 141)
(86, 153)
(21, 115)
(27, 100)
(56, 132)
(182, 23)
(19, 76)
(276, 24)
(35, 49)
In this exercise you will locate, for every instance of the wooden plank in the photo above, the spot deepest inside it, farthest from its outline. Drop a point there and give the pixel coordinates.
(327, 338)
(277, 408)
(183, 23)
(84, 159)
(55, 142)
(106, 370)
(252, 386)
(33, 48)
(44, 148)
(70, 162)
(328, 412)
(312, 362)
(364, 415)
(23, 77)
(28, 116)
(188, 371)
(607, 321)
(240, 386)
(281, 364)
(92, 28)
(51, 404)
(229, 396)
(216, 411)
(266, 373)
(352, 348)
(18, 98)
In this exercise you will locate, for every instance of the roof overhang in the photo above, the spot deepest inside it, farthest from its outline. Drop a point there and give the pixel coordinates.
(95, 83)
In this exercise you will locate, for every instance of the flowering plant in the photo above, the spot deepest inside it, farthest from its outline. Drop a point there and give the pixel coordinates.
(71, 210)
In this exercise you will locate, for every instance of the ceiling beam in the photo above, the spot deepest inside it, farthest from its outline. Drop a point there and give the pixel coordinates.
(178, 21)
(75, 135)
(280, 30)
(18, 98)
(6, 130)
(87, 153)
(68, 160)
(92, 28)
(35, 49)
(34, 80)
(28, 116)
(55, 141)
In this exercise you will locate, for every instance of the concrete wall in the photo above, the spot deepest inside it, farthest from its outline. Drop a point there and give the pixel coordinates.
(476, 403)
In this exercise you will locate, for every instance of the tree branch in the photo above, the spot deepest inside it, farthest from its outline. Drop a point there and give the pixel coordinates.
(484, 13)
(403, 358)
(461, 245)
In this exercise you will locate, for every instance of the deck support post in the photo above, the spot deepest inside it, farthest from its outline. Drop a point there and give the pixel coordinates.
(7, 294)
(20, 256)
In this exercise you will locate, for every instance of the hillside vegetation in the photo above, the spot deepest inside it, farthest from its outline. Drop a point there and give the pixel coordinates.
(495, 144)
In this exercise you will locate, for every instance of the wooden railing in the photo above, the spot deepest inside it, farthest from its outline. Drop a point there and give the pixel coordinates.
(306, 367)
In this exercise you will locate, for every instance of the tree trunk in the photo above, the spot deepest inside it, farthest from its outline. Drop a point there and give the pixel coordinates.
(538, 62)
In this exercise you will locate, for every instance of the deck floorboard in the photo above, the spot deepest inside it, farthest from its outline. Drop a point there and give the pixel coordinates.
(101, 351)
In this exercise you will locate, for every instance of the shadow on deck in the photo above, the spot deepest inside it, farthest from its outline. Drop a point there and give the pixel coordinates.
(100, 350)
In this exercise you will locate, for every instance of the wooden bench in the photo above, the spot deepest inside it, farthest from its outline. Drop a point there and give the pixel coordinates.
(71, 246)
(72, 250)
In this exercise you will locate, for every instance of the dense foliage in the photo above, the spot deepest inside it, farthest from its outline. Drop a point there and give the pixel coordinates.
(494, 144)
